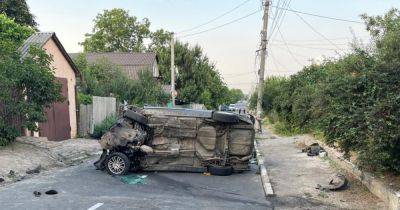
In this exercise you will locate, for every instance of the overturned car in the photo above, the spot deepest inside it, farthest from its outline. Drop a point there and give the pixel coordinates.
(173, 139)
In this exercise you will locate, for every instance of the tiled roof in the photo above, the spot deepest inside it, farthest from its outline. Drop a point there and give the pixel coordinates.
(40, 39)
(131, 63)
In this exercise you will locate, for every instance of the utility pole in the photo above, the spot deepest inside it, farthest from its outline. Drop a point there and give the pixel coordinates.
(173, 92)
(262, 63)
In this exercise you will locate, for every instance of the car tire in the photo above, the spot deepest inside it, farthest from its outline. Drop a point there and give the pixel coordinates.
(117, 164)
(225, 117)
(220, 170)
(136, 117)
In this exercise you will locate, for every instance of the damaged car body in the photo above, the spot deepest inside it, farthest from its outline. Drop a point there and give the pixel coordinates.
(174, 139)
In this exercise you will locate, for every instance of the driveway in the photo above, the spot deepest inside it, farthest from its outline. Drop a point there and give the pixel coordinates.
(82, 187)
(294, 176)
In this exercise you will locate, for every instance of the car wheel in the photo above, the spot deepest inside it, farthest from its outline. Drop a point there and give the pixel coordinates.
(220, 170)
(118, 164)
(225, 117)
(136, 117)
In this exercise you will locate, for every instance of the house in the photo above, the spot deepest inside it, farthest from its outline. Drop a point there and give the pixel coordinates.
(131, 62)
(61, 117)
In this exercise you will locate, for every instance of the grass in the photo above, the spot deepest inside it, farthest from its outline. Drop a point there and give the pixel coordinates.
(282, 128)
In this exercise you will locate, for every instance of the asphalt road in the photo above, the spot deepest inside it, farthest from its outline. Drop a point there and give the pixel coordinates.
(83, 187)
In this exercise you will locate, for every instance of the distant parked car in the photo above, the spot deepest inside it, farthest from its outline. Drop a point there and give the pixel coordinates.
(174, 139)
(232, 107)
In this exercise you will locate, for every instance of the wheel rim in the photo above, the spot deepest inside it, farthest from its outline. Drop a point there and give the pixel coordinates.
(116, 165)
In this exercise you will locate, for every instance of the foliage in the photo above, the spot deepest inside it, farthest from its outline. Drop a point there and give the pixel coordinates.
(105, 79)
(13, 33)
(19, 11)
(234, 95)
(84, 98)
(116, 31)
(27, 84)
(353, 101)
(197, 79)
(104, 126)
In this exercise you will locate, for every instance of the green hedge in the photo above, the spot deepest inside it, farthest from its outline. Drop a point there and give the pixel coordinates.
(353, 101)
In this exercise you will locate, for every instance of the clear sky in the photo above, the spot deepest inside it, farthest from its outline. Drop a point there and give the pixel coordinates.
(233, 47)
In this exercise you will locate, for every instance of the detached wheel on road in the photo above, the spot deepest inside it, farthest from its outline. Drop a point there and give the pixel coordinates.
(220, 170)
(117, 164)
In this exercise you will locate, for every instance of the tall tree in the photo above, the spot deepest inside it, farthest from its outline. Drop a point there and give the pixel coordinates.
(19, 11)
(116, 31)
(27, 84)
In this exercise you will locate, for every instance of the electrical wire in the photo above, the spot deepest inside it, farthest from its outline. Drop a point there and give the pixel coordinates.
(316, 31)
(280, 21)
(214, 19)
(225, 24)
(320, 16)
(288, 49)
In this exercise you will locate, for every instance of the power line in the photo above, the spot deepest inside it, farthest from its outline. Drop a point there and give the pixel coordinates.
(225, 24)
(280, 21)
(214, 19)
(320, 16)
(316, 48)
(288, 49)
(316, 31)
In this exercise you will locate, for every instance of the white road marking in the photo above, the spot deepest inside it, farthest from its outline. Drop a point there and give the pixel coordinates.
(97, 205)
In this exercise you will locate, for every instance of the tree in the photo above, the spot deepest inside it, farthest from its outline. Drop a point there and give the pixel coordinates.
(197, 78)
(27, 84)
(19, 11)
(235, 95)
(116, 31)
(105, 79)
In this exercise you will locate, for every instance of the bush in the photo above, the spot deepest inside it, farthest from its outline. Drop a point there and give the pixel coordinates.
(104, 126)
(7, 133)
(354, 101)
(84, 99)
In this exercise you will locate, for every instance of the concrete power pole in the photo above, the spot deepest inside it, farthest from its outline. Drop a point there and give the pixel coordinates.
(262, 63)
(173, 92)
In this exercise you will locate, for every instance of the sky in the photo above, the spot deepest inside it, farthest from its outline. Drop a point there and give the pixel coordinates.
(232, 48)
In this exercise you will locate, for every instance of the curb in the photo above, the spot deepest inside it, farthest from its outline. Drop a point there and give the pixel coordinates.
(266, 183)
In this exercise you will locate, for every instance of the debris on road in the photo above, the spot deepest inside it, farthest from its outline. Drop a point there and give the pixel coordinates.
(51, 192)
(35, 170)
(336, 182)
(1, 179)
(37, 193)
(134, 179)
(313, 150)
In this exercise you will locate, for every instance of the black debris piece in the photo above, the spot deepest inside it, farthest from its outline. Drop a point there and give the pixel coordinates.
(35, 170)
(336, 182)
(313, 150)
(51, 192)
(37, 193)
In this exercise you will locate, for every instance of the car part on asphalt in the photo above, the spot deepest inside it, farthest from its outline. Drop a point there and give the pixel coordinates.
(313, 150)
(336, 182)
(174, 139)
(37, 193)
(51, 192)
(220, 170)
